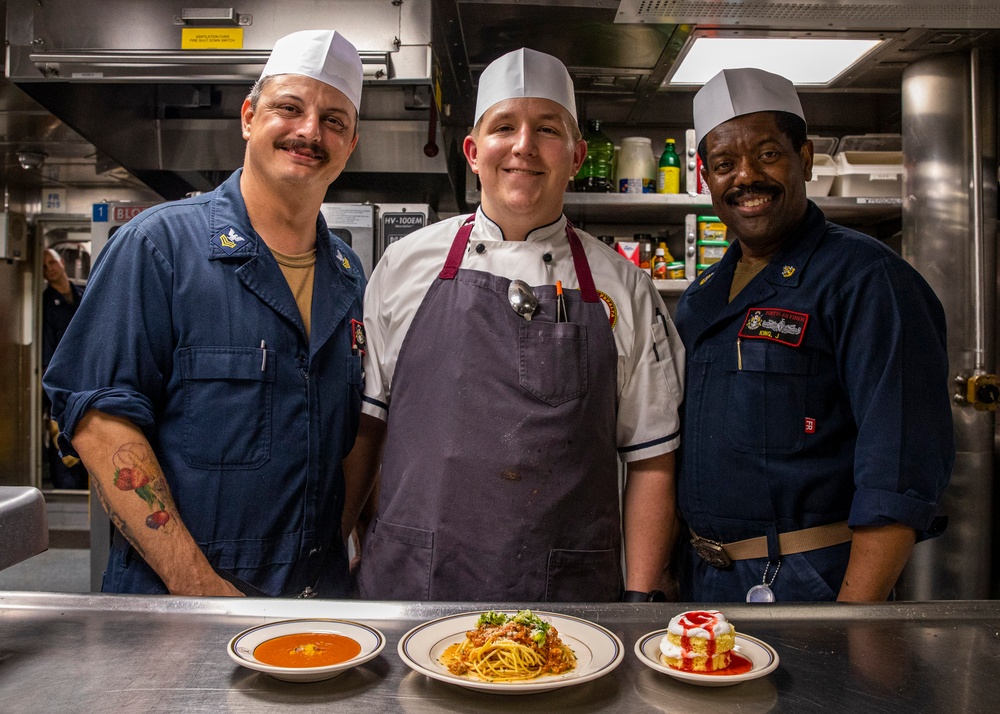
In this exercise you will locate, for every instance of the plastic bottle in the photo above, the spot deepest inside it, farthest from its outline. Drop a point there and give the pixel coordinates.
(659, 265)
(668, 174)
(595, 174)
(645, 241)
(666, 252)
(636, 166)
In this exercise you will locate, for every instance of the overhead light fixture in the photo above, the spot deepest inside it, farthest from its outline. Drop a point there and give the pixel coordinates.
(30, 159)
(803, 60)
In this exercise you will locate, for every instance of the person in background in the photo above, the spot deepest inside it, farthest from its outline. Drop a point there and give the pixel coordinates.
(505, 408)
(817, 420)
(60, 299)
(212, 381)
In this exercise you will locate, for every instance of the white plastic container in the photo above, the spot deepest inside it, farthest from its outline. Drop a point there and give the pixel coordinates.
(824, 172)
(636, 166)
(869, 173)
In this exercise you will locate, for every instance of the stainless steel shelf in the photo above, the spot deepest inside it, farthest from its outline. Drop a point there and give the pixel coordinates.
(671, 287)
(624, 208)
(586, 208)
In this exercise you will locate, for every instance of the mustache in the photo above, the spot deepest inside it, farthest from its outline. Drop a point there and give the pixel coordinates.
(737, 194)
(298, 145)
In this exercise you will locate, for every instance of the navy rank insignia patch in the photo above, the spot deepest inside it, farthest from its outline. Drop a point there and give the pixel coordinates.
(788, 271)
(772, 323)
(229, 240)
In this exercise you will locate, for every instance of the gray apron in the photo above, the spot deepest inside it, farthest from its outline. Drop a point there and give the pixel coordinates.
(499, 475)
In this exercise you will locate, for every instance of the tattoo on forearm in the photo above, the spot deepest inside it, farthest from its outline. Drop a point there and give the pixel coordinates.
(116, 519)
(136, 470)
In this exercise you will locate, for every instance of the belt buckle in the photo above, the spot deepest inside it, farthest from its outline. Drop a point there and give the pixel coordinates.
(711, 552)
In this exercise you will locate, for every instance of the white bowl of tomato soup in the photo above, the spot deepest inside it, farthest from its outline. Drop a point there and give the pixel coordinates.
(306, 650)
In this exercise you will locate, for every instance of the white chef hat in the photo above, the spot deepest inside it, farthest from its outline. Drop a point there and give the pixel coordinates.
(324, 55)
(525, 73)
(735, 92)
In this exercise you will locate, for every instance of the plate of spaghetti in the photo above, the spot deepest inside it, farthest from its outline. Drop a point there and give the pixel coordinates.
(510, 652)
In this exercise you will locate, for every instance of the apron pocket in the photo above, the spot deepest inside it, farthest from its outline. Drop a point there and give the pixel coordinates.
(396, 563)
(227, 406)
(553, 360)
(583, 576)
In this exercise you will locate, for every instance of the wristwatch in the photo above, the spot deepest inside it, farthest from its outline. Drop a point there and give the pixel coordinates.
(637, 596)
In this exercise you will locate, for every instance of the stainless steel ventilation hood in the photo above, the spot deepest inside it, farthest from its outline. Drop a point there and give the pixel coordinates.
(120, 72)
(157, 86)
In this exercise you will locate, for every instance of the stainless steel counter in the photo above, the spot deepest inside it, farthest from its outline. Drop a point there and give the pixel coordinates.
(92, 653)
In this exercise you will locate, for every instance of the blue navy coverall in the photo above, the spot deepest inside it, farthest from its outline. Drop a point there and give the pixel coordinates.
(820, 394)
(169, 337)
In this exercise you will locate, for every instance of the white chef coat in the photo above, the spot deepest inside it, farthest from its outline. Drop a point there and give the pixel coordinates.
(650, 352)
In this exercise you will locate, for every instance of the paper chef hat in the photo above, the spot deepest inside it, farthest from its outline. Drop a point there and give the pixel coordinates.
(735, 92)
(323, 55)
(525, 73)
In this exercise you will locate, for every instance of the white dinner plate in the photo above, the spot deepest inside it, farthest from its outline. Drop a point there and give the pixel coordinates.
(598, 651)
(241, 647)
(763, 660)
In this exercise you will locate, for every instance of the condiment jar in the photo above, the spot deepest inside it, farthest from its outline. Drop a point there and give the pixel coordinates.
(636, 166)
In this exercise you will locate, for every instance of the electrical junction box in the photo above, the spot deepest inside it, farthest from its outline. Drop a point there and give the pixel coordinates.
(13, 236)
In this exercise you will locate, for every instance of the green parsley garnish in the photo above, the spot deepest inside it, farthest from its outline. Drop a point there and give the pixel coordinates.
(491, 618)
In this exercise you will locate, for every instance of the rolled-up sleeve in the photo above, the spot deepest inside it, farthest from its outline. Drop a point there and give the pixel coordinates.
(894, 365)
(118, 348)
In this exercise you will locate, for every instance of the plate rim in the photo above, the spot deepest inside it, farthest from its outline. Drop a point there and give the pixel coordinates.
(361, 658)
(526, 687)
(708, 679)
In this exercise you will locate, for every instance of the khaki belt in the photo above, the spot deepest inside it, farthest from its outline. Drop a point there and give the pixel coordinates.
(721, 555)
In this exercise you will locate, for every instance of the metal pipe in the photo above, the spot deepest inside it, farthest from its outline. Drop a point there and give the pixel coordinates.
(978, 259)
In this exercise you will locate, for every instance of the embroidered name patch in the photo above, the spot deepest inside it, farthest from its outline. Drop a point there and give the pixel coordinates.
(229, 240)
(772, 323)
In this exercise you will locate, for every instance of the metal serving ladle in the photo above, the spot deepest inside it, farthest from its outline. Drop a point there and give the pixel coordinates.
(522, 298)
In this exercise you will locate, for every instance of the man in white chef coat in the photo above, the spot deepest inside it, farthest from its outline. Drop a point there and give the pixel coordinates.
(505, 409)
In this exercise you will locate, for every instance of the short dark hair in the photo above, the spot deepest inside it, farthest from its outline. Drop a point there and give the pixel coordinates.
(792, 126)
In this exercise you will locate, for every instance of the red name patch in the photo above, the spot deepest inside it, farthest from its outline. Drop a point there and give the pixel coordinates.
(773, 323)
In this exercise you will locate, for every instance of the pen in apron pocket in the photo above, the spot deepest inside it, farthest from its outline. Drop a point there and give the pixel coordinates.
(263, 356)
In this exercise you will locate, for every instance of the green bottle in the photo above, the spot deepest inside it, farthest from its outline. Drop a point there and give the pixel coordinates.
(595, 174)
(668, 175)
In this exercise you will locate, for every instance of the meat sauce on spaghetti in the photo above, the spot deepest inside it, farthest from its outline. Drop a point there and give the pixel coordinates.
(505, 648)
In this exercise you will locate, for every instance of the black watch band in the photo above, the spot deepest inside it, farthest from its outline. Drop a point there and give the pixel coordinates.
(637, 596)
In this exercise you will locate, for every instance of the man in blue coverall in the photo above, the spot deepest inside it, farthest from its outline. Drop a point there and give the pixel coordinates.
(817, 435)
(211, 381)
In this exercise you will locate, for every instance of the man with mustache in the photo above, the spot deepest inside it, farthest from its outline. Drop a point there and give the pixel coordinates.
(211, 380)
(506, 408)
(817, 435)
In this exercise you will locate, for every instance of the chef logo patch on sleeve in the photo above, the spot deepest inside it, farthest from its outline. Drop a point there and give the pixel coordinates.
(358, 343)
(772, 323)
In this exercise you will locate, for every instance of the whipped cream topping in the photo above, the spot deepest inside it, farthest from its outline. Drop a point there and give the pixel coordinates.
(707, 624)
(672, 651)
